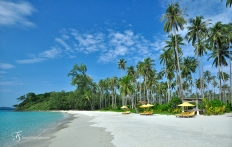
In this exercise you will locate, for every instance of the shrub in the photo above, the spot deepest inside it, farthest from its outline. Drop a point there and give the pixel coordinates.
(214, 107)
(163, 107)
(175, 101)
(177, 110)
(228, 108)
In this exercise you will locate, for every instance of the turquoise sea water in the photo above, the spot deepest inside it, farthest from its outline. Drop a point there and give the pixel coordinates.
(28, 124)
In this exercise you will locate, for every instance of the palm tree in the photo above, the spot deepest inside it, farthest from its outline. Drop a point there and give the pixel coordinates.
(228, 3)
(190, 82)
(166, 58)
(152, 82)
(141, 74)
(147, 66)
(196, 33)
(174, 21)
(225, 78)
(107, 89)
(122, 65)
(228, 33)
(126, 89)
(185, 85)
(214, 84)
(101, 87)
(175, 41)
(112, 84)
(208, 78)
(132, 73)
(188, 66)
(198, 86)
(220, 55)
(216, 40)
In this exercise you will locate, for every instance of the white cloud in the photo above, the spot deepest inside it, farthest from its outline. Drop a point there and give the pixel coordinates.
(65, 37)
(47, 54)
(10, 83)
(52, 53)
(64, 44)
(127, 44)
(87, 42)
(30, 61)
(6, 66)
(12, 13)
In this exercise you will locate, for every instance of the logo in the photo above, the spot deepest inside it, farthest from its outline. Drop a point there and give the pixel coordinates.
(16, 136)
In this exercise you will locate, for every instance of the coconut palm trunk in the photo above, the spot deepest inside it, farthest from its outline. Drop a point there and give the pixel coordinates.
(167, 83)
(220, 81)
(178, 66)
(230, 76)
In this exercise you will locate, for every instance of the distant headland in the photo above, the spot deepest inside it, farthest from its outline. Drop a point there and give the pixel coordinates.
(7, 108)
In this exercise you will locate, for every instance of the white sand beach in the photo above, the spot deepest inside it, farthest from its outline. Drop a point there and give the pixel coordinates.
(115, 129)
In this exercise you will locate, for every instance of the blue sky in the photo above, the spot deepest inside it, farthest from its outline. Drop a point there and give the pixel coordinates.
(41, 40)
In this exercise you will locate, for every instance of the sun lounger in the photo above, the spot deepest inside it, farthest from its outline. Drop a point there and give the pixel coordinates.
(180, 115)
(147, 113)
(190, 114)
(126, 112)
(186, 114)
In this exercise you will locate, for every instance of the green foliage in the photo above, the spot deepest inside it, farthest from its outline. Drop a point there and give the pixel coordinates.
(216, 103)
(214, 107)
(162, 108)
(55, 101)
(228, 108)
(169, 108)
(175, 101)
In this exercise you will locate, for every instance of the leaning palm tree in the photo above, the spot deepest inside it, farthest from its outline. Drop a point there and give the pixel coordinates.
(122, 65)
(196, 33)
(174, 17)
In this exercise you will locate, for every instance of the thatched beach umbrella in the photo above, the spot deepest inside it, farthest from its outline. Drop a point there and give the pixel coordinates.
(186, 104)
(124, 107)
(146, 106)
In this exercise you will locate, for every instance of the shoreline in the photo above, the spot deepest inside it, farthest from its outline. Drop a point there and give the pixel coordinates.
(74, 131)
(44, 134)
(113, 129)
